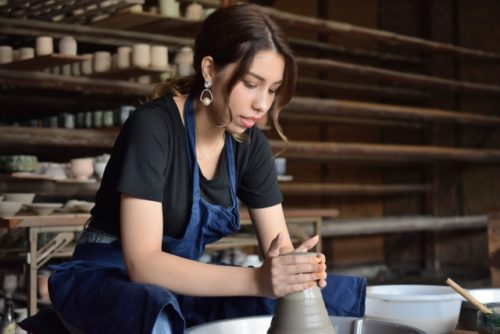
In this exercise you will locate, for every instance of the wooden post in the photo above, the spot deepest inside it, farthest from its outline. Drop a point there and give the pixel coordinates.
(494, 248)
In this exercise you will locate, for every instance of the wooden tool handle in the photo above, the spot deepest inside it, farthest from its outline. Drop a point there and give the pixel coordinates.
(468, 296)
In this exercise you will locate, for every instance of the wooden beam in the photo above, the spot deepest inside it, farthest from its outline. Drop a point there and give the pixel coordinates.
(42, 80)
(370, 226)
(302, 44)
(363, 90)
(317, 118)
(31, 138)
(332, 189)
(380, 152)
(54, 137)
(416, 80)
(334, 27)
(87, 34)
(301, 22)
(329, 107)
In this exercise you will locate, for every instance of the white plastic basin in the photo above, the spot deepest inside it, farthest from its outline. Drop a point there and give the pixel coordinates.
(432, 308)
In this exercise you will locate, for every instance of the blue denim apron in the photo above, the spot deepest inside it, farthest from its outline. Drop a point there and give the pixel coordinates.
(93, 290)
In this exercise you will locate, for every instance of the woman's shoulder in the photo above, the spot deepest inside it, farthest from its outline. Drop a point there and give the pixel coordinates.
(161, 111)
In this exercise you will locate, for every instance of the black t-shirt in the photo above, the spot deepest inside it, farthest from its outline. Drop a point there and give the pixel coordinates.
(150, 161)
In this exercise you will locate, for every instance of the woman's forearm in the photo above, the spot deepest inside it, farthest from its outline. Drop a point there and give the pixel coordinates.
(194, 278)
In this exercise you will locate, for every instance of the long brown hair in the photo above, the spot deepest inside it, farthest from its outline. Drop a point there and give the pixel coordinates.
(235, 34)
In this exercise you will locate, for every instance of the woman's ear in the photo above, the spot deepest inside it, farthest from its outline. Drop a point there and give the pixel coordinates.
(208, 68)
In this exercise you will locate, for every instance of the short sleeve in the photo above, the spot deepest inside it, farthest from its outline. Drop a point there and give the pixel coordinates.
(144, 147)
(258, 181)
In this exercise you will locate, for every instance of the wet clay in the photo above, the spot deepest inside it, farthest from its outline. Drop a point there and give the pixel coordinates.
(301, 313)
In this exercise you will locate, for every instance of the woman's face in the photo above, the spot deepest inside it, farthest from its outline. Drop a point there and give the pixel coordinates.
(251, 97)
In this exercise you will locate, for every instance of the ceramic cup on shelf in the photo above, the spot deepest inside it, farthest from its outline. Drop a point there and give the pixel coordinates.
(184, 61)
(76, 69)
(6, 54)
(124, 53)
(102, 61)
(25, 53)
(159, 56)
(141, 55)
(44, 46)
(82, 168)
(280, 164)
(67, 46)
(194, 11)
(86, 66)
(169, 8)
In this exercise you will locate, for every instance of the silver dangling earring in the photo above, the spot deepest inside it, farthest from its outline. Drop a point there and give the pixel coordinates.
(206, 96)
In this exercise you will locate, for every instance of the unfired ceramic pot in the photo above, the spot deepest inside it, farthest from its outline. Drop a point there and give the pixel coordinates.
(44, 46)
(301, 313)
(82, 168)
(141, 55)
(67, 46)
(194, 11)
(159, 56)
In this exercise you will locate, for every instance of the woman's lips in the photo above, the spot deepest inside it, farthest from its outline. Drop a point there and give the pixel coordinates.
(247, 122)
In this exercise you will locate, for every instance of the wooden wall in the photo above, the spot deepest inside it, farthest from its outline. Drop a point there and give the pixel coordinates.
(458, 188)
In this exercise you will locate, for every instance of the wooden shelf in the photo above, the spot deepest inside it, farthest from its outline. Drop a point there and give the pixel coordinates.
(131, 72)
(149, 22)
(42, 62)
(370, 226)
(309, 106)
(55, 137)
(331, 189)
(332, 151)
(32, 138)
(55, 220)
(40, 80)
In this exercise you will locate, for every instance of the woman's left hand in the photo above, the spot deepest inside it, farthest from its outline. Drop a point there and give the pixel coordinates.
(281, 275)
(305, 247)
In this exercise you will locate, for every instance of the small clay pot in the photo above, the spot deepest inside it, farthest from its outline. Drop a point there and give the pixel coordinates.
(301, 312)
(44, 46)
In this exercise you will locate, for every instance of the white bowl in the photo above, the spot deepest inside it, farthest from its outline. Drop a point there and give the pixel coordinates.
(43, 208)
(432, 308)
(24, 198)
(83, 206)
(9, 208)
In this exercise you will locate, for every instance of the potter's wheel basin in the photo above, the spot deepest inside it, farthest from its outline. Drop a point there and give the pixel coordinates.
(343, 325)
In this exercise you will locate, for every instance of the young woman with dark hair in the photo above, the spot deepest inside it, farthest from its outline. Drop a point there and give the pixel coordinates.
(178, 169)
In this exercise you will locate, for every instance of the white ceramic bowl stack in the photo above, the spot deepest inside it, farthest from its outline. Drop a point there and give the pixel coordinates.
(9, 208)
(432, 308)
(44, 208)
(23, 198)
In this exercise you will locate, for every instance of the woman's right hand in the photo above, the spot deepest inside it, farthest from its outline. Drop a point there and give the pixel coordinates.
(281, 275)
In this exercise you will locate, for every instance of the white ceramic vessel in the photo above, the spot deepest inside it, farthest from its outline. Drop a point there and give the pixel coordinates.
(67, 46)
(123, 55)
(102, 61)
(44, 46)
(141, 55)
(159, 56)
(6, 54)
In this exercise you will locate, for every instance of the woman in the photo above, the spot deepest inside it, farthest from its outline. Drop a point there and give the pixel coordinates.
(172, 185)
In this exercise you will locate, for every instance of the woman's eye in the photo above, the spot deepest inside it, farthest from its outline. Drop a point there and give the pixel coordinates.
(249, 84)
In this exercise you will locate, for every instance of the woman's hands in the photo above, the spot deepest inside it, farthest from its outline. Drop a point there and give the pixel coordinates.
(281, 275)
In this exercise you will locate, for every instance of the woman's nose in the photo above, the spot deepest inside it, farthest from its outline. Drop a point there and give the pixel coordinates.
(262, 102)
